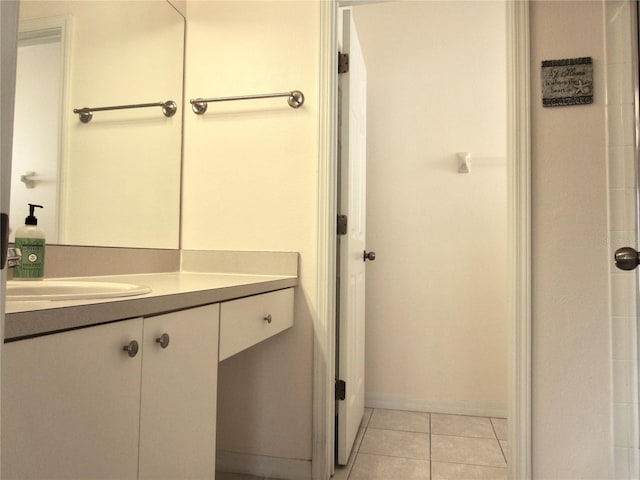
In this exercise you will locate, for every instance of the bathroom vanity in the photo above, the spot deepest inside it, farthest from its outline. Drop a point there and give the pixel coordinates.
(126, 388)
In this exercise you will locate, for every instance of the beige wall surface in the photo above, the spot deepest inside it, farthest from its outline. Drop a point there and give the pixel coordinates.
(437, 292)
(250, 183)
(571, 331)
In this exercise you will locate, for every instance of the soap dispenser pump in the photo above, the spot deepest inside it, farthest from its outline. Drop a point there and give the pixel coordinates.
(30, 240)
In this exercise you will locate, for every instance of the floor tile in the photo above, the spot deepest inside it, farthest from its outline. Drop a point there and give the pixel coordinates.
(500, 426)
(473, 451)
(395, 443)
(358, 441)
(458, 471)
(366, 417)
(379, 467)
(461, 426)
(400, 420)
(505, 449)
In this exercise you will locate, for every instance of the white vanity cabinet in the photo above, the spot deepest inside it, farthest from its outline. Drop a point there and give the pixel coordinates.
(76, 405)
(179, 391)
(126, 400)
(71, 405)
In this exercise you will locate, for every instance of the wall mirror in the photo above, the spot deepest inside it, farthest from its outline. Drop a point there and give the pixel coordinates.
(114, 180)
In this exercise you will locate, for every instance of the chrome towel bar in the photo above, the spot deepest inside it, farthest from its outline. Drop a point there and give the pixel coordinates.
(169, 109)
(295, 99)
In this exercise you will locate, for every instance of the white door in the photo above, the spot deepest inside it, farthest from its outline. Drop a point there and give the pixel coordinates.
(352, 203)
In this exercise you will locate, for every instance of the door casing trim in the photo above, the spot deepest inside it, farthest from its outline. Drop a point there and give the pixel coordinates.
(325, 319)
(519, 237)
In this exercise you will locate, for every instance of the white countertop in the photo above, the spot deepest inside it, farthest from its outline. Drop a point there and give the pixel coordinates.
(169, 292)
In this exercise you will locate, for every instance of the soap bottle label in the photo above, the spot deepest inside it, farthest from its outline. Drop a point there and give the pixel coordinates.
(32, 263)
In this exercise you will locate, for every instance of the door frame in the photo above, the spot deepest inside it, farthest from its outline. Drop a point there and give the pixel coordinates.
(519, 243)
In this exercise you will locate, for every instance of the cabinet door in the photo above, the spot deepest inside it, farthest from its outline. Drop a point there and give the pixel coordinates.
(179, 386)
(70, 405)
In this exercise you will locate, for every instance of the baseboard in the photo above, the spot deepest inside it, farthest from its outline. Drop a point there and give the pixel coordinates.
(263, 466)
(398, 402)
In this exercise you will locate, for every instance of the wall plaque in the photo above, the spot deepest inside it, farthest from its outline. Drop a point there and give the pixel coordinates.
(567, 82)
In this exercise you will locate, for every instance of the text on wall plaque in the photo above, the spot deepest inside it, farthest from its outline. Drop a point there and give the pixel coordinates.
(567, 82)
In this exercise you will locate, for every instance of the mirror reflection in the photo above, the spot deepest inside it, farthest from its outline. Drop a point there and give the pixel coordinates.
(114, 181)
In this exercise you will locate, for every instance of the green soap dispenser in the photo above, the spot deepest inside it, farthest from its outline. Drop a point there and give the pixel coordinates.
(30, 240)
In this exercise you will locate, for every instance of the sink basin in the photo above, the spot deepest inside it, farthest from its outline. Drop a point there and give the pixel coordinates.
(19, 290)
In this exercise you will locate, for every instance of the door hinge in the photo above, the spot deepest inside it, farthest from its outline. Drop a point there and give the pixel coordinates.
(342, 224)
(343, 62)
(341, 390)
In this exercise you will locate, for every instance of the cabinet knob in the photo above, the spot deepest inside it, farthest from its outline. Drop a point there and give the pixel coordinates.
(163, 340)
(131, 348)
(268, 318)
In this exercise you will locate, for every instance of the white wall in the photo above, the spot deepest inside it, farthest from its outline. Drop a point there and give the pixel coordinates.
(250, 183)
(436, 294)
(572, 394)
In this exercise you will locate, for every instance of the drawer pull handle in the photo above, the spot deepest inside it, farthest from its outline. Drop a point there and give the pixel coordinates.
(163, 340)
(131, 348)
(268, 318)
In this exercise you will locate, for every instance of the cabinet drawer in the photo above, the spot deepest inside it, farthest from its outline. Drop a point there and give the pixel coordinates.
(244, 323)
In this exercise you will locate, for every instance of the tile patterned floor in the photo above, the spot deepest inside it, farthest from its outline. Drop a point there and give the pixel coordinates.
(400, 445)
